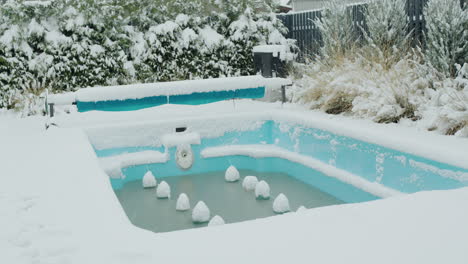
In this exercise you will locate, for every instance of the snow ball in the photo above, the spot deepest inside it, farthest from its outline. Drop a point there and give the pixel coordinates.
(262, 190)
(149, 181)
(163, 190)
(183, 203)
(301, 209)
(216, 221)
(249, 183)
(281, 204)
(200, 213)
(232, 174)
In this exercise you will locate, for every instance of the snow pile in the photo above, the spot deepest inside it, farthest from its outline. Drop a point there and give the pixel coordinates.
(216, 221)
(200, 213)
(301, 209)
(262, 190)
(231, 174)
(163, 190)
(383, 79)
(249, 183)
(149, 181)
(183, 203)
(281, 204)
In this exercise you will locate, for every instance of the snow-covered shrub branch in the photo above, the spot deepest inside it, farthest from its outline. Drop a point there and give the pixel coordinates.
(382, 78)
(338, 34)
(67, 44)
(447, 35)
(387, 30)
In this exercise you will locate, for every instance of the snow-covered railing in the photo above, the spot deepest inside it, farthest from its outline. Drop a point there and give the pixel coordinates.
(138, 96)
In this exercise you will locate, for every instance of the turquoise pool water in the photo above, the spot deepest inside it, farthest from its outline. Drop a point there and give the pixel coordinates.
(228, 200)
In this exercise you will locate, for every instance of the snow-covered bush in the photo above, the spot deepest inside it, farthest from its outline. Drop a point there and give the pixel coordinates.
(373, 79)
(364, 88)
(383, 78)
(447, 110)
(447, 35)
(338, 34)
(386, 30)
(408, 92)
(67, 44)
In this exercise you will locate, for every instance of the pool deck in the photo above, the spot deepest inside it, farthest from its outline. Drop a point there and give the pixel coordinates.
(58, 206)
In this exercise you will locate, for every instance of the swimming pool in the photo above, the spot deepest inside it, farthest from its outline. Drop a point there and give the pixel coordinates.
(348, 169)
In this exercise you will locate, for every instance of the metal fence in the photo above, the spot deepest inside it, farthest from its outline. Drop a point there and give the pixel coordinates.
(302, 28)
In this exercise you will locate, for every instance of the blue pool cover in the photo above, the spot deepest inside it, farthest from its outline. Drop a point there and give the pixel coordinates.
(189, 99)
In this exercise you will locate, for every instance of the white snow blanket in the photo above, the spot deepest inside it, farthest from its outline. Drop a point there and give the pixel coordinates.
(58, 207)
(113, 165)
(177, 139)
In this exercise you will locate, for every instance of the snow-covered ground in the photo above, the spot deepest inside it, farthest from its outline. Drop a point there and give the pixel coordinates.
(57, 205)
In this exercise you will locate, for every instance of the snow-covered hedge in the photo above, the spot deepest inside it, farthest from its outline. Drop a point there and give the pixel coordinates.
(66, 44)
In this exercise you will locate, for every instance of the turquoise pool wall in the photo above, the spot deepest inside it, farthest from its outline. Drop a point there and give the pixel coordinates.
(190, 99)
(397, 170)
(394, 169)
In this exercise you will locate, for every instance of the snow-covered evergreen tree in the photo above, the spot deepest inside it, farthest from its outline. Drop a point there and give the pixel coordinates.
(447, 35)
(62, 45)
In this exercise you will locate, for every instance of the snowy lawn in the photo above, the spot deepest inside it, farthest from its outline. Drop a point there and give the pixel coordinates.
(58, 206)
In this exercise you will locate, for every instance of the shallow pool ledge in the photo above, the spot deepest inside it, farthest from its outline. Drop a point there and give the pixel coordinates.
(272, 151)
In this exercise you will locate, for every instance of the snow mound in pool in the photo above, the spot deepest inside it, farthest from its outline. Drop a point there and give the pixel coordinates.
(249, 183)
(281, 204)
(216, 221)
(163, 190)
(262, 190)
(301, 209)
(232, 174)
(149, 181)
(200, 213)
(183, 203)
